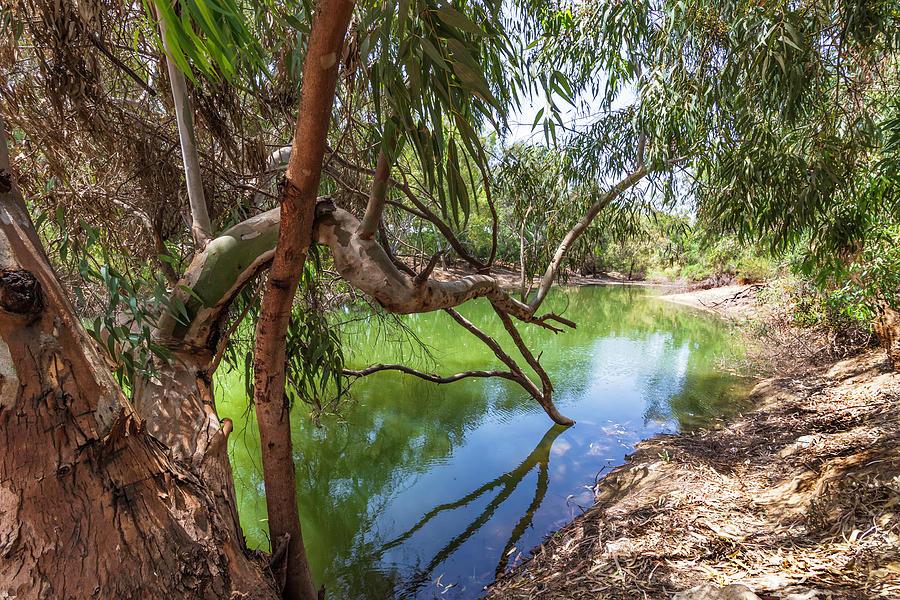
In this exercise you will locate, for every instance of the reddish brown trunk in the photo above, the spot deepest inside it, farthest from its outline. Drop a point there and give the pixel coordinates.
(304, 170)
(91, 505)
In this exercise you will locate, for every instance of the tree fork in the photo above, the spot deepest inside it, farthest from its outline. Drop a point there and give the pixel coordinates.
(83, 487)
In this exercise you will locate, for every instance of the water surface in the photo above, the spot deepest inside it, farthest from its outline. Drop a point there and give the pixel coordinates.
(418, 487)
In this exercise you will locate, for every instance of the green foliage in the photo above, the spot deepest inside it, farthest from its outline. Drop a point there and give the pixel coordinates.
(127, 304)
(776, 111)
(9, 24)
(804, 304)
(432, 90)
(670, 246)
(314, 357)
(859, 286)
(212, 36)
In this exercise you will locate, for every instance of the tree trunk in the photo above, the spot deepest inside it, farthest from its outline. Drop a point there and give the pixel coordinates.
(201, 227)
(91, 504)
(887, 329)
(298, 202)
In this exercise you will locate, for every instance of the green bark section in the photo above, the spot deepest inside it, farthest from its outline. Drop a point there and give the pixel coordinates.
(218, 273)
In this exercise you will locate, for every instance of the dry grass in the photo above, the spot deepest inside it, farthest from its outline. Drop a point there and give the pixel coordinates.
(802, 494)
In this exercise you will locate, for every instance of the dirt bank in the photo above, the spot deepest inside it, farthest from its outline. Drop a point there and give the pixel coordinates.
(734, 301)
(510, 278)
(798, 500)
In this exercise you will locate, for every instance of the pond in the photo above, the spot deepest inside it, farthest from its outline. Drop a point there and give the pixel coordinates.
(426, 491)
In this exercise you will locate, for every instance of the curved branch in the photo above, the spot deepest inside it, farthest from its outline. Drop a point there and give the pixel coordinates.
(365, 265)
(372, 217)
(101, 46)
(229, 261)
(215, 277)
(553, 268)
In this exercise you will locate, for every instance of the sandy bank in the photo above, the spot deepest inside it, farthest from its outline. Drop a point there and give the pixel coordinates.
(798, 500)
(733, 301)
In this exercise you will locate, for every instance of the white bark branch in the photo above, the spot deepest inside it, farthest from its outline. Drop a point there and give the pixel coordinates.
(553, 268)
(201, 226)
(365, 265)
(219, 272)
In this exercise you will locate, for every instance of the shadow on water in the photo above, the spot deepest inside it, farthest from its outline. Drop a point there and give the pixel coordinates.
(508, 482)
(394, 502)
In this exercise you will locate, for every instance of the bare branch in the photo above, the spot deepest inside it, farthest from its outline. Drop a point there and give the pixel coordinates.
(429, 376)
(543, 396)
(426, 272)
(201, 226)
(365, 265)
(101, 46)
(498, 351)
(554, 317)
(424, 212)
(545, 399)
(226, 337)
(383, 240)
(372, 217)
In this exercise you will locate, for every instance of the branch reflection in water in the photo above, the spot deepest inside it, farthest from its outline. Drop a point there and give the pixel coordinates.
(508, 482)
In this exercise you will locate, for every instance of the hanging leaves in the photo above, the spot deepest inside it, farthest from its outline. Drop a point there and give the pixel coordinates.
(212, 36)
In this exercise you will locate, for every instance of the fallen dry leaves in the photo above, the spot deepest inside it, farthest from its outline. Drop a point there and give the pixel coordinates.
(798, 499)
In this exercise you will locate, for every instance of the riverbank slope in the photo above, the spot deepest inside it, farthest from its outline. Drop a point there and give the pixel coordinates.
(733, 301)
(798, 499)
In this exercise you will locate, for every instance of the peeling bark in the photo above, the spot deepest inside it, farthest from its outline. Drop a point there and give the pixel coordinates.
(366, 266)
(91, 504)
(215, 277)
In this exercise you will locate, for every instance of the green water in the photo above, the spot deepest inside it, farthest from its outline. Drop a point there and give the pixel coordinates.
(418, 486)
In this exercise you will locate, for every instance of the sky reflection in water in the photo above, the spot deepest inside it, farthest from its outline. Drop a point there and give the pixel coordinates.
(422, 486)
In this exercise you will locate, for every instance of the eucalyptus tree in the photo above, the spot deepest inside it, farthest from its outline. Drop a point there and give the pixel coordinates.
(392, 96)
(157, 459)
(777, 119)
